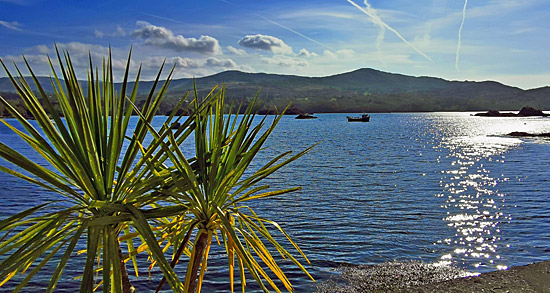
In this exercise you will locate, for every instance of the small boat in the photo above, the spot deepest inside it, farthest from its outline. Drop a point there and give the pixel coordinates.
(305, 116)
(363, 118)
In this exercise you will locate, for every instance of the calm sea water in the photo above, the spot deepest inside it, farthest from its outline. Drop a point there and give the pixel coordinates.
(436, 187)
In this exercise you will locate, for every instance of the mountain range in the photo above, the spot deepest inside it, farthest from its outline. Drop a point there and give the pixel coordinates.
(362, 90)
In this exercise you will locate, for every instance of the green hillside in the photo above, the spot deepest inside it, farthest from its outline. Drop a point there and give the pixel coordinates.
(357, 91)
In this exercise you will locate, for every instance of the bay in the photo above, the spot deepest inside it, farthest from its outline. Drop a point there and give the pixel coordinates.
(436, 187)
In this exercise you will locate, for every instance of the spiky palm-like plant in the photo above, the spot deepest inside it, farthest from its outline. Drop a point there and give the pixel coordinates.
(116, 182)
(97, 163)
(215, 191)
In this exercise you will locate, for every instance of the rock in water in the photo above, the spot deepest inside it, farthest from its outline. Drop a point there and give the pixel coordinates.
(529, 111)
(524, 112)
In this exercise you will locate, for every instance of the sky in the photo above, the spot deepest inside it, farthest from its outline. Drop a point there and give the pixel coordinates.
(500, 40)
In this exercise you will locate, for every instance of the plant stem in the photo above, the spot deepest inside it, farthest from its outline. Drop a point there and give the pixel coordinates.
(200, 245)
(126, 285)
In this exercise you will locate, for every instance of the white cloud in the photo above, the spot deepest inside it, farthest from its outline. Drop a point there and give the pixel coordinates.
(164, 38)
(33, 59)
(190, 63)
(235, 51)
(190, 67)
(184, 67)
(246, 68)
(42, 49)
(38, 63)
(267, 43)
(118, 33)
(306, 53)
(223, 63)
(526, 81)
(37, 57)
(79, 53)
(14, 25)
(284, 61)
(344, 53)
(179, 62)
(98, 34)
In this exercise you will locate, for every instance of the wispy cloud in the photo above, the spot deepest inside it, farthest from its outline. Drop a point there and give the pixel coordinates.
(371, 12)
(460, 35)
(19, 2)
(346, 53)
(14, 25)
(161, 17)
(317, 13)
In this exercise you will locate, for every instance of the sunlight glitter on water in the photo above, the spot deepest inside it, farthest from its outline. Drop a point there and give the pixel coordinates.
(473, 202)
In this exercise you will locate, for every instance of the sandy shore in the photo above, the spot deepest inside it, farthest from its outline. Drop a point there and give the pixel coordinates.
(414, 276)
(530, 278)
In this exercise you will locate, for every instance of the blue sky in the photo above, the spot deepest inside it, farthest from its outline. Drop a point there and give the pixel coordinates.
(502, 40)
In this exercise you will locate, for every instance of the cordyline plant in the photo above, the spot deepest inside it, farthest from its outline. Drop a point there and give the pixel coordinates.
(214, 194)
(98, 165)
(122, 184)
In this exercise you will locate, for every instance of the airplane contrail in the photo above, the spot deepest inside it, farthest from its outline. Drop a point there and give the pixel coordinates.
(286, 27)
(377, 20)
(161, 17)
(460, 35)
(381, 32)
(293, 31)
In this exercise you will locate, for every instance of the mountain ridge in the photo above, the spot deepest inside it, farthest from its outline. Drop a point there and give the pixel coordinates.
(364, 89)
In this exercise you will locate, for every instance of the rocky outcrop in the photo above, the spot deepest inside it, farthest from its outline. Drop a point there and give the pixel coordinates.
(528, 111)
(526, 134)
(524, 112)
(494, 113)
(305, 116)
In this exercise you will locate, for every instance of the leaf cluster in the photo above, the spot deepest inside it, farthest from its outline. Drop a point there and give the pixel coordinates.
(132, 186)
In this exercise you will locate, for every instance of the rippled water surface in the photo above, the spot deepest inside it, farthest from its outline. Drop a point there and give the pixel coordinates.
(432, 186)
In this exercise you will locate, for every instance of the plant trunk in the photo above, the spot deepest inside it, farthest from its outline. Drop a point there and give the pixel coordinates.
(200, 245)
(126, 285)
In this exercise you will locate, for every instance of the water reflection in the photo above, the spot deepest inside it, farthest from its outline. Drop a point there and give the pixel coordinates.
(472, 201)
